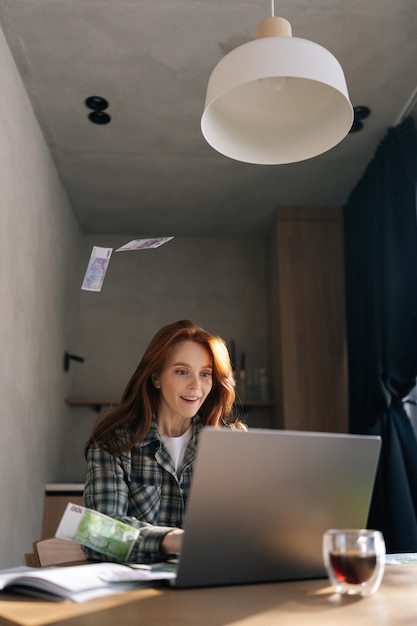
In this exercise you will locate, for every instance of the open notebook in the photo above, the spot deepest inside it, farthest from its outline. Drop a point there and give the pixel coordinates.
(261, 500)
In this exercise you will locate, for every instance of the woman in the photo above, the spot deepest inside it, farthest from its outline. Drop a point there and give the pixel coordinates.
(140, 457)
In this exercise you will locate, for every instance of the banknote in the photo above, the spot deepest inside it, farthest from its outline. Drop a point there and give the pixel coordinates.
(97, 531)
(96, 269)
(143, 244)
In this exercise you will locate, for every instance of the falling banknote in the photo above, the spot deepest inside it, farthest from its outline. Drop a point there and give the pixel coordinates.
(97, 268)
(144, 244)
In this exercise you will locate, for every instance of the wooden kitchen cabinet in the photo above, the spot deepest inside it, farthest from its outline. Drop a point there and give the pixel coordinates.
(307, 321)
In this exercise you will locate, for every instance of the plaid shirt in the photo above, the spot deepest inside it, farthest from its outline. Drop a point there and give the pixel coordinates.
(142, 489)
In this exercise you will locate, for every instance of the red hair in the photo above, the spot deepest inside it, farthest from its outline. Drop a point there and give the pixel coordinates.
(140, 399)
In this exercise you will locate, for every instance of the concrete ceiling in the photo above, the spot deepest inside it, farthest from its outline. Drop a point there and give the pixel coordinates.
(150, 172)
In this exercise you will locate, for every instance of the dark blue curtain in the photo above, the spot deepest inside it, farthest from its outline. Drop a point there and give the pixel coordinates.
(381, 297)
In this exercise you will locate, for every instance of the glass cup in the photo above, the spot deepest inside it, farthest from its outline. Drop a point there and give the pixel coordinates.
(354, 560)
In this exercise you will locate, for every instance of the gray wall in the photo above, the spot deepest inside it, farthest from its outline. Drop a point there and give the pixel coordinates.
(220, 283)
(39, 255)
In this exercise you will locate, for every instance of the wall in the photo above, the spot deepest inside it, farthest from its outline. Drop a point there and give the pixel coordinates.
(39, 270)
(219, 283)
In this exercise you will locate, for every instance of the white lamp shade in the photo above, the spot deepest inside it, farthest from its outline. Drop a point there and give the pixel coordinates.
(276, 100)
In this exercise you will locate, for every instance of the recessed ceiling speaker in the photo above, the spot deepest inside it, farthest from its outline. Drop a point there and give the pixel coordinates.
(96, 103)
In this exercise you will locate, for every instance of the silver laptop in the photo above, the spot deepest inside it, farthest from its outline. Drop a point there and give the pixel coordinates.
(261, 500)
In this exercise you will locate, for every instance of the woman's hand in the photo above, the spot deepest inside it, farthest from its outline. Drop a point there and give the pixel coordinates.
(172, 542)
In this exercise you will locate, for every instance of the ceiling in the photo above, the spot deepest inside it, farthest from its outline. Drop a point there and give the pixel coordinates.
(149, 172)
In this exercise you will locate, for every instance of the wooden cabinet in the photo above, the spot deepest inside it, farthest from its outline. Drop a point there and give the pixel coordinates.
(307, 320)
(57, 496)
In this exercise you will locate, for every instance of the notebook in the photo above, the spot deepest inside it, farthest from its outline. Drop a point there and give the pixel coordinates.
(261, 500)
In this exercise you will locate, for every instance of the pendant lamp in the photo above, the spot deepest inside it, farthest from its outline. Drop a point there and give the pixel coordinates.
(277, 99)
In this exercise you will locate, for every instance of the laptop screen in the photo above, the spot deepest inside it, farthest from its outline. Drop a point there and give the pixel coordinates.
(261, 500)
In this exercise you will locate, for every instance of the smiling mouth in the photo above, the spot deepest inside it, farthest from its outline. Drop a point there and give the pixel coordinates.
(190, 398)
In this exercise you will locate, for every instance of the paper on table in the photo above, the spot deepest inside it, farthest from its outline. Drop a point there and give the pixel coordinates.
(97, 531)
(144, 244)
(138, 572)
(96, 269)
(78, 583)
(401, 558)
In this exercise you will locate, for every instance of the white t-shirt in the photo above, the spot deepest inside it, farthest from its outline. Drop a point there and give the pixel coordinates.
(176, 447)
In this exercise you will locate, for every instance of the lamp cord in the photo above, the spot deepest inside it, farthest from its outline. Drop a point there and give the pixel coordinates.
(272, 8)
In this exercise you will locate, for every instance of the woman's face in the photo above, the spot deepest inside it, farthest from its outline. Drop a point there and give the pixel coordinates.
(185, 380)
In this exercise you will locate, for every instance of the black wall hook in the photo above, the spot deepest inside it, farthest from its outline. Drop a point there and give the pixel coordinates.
(71, 357)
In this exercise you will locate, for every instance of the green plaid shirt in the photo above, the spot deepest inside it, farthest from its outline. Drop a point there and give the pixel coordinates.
(142, 489)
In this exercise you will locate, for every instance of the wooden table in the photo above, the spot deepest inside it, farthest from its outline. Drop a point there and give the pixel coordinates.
(305, 603)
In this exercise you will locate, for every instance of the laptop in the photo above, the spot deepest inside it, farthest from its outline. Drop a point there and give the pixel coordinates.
(261, 500)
